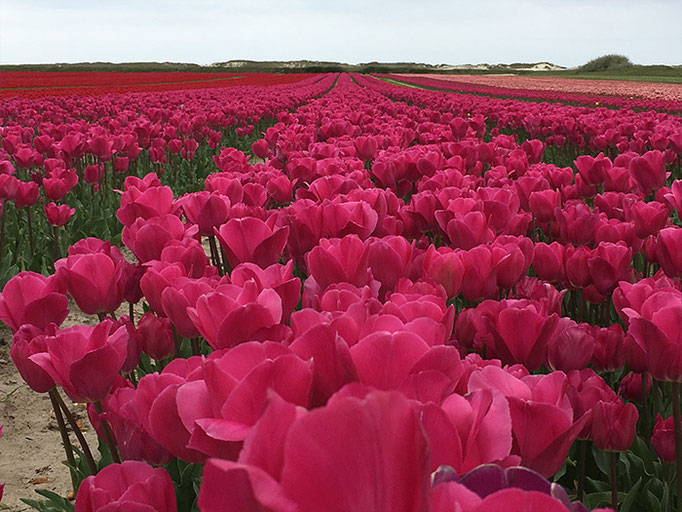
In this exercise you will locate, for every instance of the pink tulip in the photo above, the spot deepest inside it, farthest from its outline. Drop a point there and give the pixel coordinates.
(251, 240)
(32, 299)
(124, 419)
(538, 404)
(132, 485)
(278, 277)
(84, 360)
(520, 334)
(58, 215)
(648, 171)
(178, 295)
(27, 341)
(157, 336)
(663, 438)
(669, 251)
(26, 194)
(339, 261)
(444, 266)
(147, 238)
(466, 431)
(614, 425)
(593, 169)
(233, 314)
(354, 454)
(655, 330)
(208, 210)
(93, 280)
(144, 203)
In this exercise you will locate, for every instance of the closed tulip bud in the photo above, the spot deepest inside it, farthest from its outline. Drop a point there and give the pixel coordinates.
(669, 251)
(571, 347)
(631, 386)
(121, 164)
(663, 438)
(26, 194)
(614, 425)
(93, 280)
(648, 171)
(260, 148)
(27, 341)
(253, 240)
(157, 336)
(58, 215)
(548, 261)
(543, 203)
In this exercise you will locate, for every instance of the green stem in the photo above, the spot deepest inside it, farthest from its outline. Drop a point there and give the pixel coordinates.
(55, 251)
(582, 453)
(196, 346)
(645, 411)
(5, 204)
(108, 436)
(678, 441)
(66, 442)
(30, 230)
(77, 431)
(614, 481)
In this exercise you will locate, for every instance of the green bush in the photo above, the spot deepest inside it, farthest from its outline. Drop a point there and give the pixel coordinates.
(607, 63)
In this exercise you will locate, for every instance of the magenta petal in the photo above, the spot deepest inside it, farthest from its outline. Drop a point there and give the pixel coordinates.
(355, 454)
(249, 489)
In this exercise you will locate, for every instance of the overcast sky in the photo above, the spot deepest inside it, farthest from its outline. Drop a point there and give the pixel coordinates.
(565, 32)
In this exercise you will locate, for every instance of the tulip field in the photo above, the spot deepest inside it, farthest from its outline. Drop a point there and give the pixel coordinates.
(334, 292)
(613, 93)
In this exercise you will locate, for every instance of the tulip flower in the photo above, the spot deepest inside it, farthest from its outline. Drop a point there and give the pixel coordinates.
(208, 210)
(157, 336)
(93, 280)
(538, 404)
(614, 425)
(131, 485)
(663, 439)
(233, 314)
(32, 299)
(84, 360)
(119, 410)
(58, 215)
(252, 240)
(27, 341)
(467, 431)
(669, 251)
(648, 171)
(365, 453)
(339, 261)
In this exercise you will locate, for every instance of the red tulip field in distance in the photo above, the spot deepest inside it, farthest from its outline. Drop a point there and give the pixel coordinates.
(36, 84)
(338, 293)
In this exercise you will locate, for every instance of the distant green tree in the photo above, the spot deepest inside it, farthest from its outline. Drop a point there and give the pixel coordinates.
(607, 63)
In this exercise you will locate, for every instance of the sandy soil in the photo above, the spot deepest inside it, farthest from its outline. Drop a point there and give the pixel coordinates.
(31, 453)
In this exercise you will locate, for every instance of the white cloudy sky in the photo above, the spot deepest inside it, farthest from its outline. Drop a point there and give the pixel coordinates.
(567, 32)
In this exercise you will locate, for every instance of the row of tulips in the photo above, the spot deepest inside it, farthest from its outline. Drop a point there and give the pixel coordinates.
(572, 130)
(607, 93)
(399, 310)
(54, 166)
(629, 89)
(39, 84)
